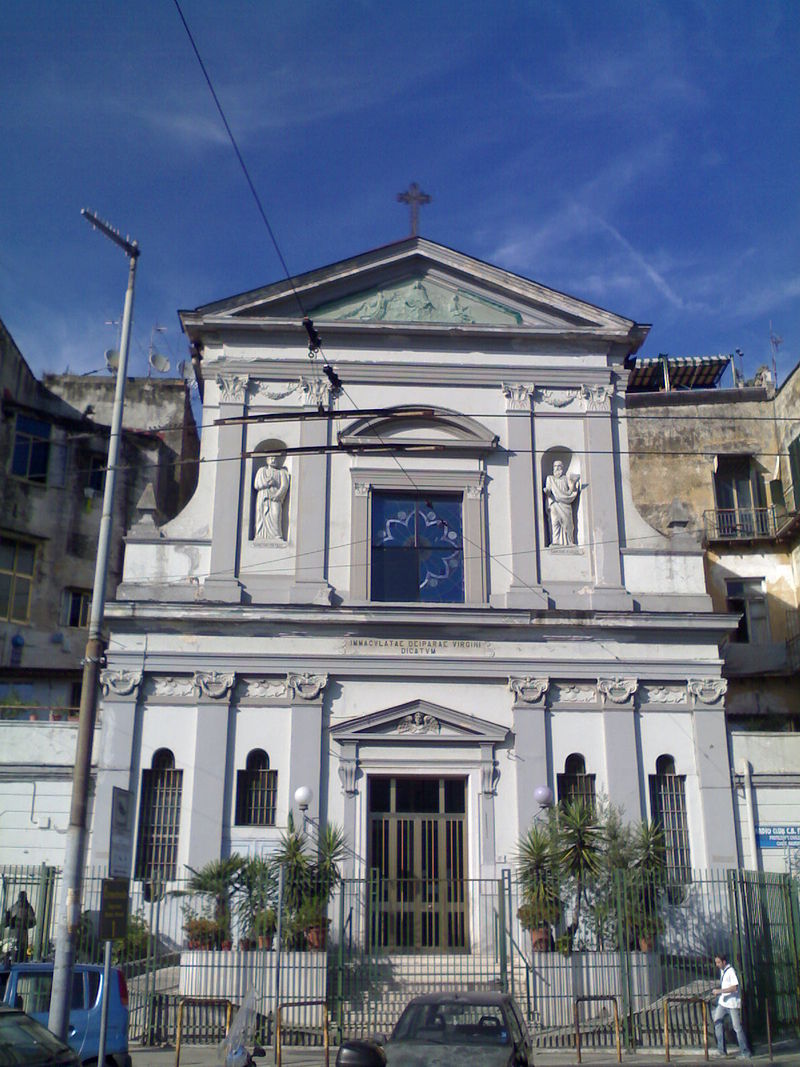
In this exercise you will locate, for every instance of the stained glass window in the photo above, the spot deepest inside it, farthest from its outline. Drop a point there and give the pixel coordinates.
(417, 548)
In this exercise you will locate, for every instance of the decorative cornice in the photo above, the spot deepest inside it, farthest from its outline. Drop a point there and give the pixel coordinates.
(518, 395)
(617, 690)
(120, 683)
(529, 690)
(707, 690)
(213, 684)
(232, 388)
(306, 686)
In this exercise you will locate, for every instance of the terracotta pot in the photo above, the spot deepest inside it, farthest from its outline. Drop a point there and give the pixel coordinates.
(226, 946)
(540, 939)
(265, 941)
(247, 943)
(646, 942)
(317, 936)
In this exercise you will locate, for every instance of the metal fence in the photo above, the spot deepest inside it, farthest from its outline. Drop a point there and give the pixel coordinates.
(376, 943)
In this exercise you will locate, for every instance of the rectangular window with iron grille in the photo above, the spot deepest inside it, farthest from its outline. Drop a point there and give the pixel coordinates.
(159, 819)
(256, 791)
(668, 809)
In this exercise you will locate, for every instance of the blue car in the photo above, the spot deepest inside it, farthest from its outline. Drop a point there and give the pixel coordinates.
(28, 987)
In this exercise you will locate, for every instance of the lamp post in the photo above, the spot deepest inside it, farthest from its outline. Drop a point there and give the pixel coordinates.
(75, 851)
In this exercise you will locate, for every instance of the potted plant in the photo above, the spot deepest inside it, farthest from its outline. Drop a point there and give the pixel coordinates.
(541, 903)
(264, 924)
(312, 918)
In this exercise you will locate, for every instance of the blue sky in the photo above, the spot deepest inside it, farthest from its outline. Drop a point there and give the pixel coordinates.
(642, 156)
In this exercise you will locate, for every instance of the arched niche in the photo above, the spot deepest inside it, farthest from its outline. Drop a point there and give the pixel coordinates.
(270, 491)
(562, 497)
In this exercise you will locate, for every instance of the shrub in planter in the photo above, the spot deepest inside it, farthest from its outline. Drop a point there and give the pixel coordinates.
(202, 932)
(264, 924)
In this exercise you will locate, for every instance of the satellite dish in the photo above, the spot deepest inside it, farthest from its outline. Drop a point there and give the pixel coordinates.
(159, 362)
(112, 359)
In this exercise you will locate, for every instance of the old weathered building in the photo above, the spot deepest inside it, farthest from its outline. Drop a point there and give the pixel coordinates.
(721, 466)
(53, 449)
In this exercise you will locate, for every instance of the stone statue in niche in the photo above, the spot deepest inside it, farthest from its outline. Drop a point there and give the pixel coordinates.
(561, 491)
(271, 484)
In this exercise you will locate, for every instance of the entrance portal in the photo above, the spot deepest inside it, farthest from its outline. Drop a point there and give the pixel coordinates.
(417, 861)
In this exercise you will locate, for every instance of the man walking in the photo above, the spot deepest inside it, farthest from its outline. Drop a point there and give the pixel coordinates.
(729, 1003)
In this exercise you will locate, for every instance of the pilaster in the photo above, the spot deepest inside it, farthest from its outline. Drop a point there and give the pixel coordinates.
(528, 718)
(707, 700)
(618, 701)
(206, 801)
(120, 693)
(525, 590)
(310, 584)
(306, 695)
(222, 583)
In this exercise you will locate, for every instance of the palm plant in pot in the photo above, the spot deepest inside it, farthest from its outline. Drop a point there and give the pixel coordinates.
(256, 892)
(216, 882)
(646, 886)
(541, 902)
(309, 883)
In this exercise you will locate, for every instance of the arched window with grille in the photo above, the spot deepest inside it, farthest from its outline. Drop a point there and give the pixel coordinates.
(668, 810)
(159, 818)
(256, 791)
(575, 783)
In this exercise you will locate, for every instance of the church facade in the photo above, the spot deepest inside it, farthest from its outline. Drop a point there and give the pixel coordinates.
(413, 579)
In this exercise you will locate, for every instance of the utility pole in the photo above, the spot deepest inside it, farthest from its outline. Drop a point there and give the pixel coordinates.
(69, 911)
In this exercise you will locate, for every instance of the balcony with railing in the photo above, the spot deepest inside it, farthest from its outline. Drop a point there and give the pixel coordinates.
(740, 524)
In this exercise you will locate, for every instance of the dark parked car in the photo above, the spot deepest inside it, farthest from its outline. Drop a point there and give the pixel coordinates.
(26, 1043)
(445, 1029)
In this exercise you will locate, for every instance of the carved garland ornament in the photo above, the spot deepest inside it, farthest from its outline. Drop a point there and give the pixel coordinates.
(529, 690)
(665, 694)
(617, 690)
(707, 690)
(559, 399)
(213, 684)
(120, 683)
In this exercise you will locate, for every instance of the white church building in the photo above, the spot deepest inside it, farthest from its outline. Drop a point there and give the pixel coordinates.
(413, 579)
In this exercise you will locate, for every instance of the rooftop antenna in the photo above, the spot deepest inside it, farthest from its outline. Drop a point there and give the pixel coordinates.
(155, 361)
(775, 343)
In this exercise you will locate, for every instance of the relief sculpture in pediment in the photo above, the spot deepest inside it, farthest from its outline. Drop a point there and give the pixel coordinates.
(418, 300)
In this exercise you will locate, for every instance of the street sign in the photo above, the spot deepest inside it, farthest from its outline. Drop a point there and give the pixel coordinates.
(775, 836)
(113, 909)
(120, 848)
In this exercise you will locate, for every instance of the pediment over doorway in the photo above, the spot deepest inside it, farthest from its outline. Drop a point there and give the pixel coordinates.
(418, 721)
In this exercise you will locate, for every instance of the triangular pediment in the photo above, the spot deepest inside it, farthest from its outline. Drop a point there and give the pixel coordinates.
(419, 299)
(419, 721)
(419, 285)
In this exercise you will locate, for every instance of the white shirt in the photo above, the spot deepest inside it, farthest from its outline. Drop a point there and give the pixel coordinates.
(727, 979)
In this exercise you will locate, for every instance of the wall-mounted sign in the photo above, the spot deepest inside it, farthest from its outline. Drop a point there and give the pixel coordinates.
(778, 836)
(120, 848)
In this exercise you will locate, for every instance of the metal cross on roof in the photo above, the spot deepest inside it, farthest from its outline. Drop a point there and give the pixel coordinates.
(414, 196)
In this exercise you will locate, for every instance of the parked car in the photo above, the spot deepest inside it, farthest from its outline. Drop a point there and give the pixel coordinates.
(24, 1041)
(28, 987)
(441, 1029)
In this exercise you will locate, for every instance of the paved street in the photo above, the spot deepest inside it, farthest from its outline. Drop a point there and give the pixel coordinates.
(785, 1053)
